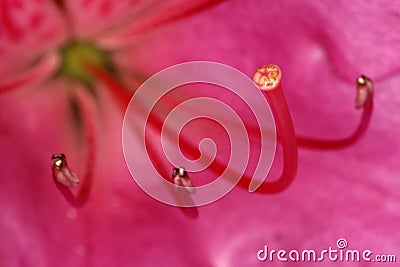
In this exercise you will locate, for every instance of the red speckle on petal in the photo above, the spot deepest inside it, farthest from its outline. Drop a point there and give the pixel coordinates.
(105, 8)
(18, 4)
(25, 27)
(36, 20)
(11, 29)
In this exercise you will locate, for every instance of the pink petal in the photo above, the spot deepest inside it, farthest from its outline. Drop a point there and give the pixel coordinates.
(151, 15)
(89, 17)
(27, 30)
(41, 71)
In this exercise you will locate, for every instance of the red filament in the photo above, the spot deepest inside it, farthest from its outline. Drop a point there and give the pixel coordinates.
(82, 196)
(364, 100)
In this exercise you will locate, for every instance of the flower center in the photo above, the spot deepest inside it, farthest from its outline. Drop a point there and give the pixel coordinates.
(77, 56)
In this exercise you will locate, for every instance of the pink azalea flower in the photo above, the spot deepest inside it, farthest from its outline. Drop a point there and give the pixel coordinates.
(321, 49)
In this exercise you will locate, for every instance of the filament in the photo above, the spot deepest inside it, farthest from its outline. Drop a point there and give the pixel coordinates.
(364, 101)
(83, 194)
(117, 90)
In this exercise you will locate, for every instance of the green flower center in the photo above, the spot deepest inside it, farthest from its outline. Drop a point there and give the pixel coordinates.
(77, 55)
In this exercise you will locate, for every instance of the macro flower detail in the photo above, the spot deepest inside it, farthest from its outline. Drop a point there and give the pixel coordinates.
(69, 69)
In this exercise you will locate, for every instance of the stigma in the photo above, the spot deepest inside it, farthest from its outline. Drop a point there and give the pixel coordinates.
(267, 77)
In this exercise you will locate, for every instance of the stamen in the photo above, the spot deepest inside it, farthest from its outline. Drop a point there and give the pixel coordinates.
(364, 100)
(181, 194)
(64, 178)
(61, 172)
(180, 178)
(39, 72)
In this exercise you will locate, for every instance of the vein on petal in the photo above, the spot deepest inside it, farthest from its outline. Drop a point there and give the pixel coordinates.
(38, 73)
(156, 19)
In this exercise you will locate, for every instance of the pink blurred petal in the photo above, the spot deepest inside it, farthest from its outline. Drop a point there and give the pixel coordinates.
(27, 30)
(37, 73)
(151, 15)
(89, 17)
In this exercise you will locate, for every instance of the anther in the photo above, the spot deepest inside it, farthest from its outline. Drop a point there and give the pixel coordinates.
(181, 178)
(364, 91)
(179, 172)
(61, 172)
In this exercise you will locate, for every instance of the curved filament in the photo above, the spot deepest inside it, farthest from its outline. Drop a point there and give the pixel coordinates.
(364, 101)
(64, 178)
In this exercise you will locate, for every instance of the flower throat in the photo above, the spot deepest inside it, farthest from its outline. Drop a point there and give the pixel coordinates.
(77, 55)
